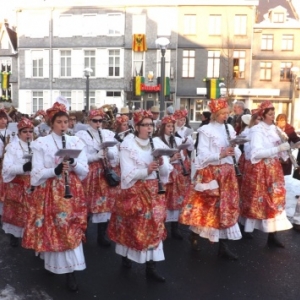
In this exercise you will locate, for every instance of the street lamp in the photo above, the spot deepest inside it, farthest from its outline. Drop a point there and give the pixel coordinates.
(162, 43)
(295, 72)
(87, 73)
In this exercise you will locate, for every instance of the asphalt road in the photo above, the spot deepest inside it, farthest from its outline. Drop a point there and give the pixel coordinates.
(261, 272)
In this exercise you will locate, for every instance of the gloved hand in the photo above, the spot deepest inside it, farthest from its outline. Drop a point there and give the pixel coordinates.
(71, 161)
(284, 147)
(100, 154)
(110, 154)
(27, 167)
(58, 169)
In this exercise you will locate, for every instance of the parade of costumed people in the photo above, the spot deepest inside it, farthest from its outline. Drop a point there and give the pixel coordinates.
(211, 207)
(96, 187)
(263, 197)
(137, 222)
(57, 219)
(179, 178)
(16, 177)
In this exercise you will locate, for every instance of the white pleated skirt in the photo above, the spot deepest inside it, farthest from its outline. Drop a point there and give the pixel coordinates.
(296, 217)
(172, 215)
(214, 235)
(279, 223)
(16, 231)
(64, 262)
(141, 256)
(101, 217)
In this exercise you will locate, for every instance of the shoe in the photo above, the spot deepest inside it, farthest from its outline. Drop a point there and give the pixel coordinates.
(296, 227)
(274, 241)
(126, 262)
(175, 233)
(194, 241)
(14, 241)
(224, 252)
(71, 282)
(102, 240)
(151, 272)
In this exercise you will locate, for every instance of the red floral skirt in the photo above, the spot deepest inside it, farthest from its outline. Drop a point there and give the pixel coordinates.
(138, 217)
(16, 194)
(97, 191)
(1, 189)
(263, 192)
(177, 188)
(54, 223)
(217, 208)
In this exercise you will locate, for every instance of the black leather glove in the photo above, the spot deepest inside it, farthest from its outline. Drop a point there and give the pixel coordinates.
(27, 167)
(58, 169)
(71, 161)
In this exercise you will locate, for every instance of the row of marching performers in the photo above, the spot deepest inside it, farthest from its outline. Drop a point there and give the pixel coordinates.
(48, 199)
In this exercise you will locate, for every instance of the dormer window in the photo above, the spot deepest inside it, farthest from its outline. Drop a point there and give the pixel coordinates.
(278, 17)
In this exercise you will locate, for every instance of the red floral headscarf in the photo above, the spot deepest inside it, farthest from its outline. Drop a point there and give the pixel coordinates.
(217, 104)
(180, 113)
(24, 123)
(168, 119)
(99, 112)
(138, 116)
(57, 107)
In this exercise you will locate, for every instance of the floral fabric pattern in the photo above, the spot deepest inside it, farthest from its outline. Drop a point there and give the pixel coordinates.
(212, 208)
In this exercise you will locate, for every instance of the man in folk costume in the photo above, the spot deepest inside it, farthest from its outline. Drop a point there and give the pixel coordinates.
(97, 191)
(211, 208)
(56, 225)
(16, 178)
(137, 222)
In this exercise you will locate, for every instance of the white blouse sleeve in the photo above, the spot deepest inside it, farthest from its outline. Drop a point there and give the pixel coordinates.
(205, 155)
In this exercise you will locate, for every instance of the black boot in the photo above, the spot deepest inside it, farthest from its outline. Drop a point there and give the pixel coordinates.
(14, 241)
(151, 272)
(245, 235)
(71, 282)
(175, 231)
(102, 239)
(194, 241)
(126, 262)
(224, 252)
(274, 241)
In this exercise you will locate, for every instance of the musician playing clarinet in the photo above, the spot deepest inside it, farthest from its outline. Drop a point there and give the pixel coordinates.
(211, 207)
(263, 191)
(137, 222)
(56, 225)
(99, 198)
(179, 179)
(16, 178)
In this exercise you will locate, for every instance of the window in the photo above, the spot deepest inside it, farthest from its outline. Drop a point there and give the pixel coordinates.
(67, 96)
(285, 71)
(214, 25)
(278, 17)
(92, 97)
(267, 42)
(88, 25)
(213, 64)
(37, 101)
(287, 42)
(265, 71)
(113, 94)
(189, 23)
(37, 63)
(90, 60)
(114, 63)
(114, 23)
(240, 24)
(138, 64)
(239, 64)
(65, 63)
(188, 63)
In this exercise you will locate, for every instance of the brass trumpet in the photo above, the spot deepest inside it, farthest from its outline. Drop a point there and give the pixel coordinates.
(68, 194)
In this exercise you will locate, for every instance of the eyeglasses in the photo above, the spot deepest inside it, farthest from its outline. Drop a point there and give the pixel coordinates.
(26, 131)
(97, 121)
(147, 124)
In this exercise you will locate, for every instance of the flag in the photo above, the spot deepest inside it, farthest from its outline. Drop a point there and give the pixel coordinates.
(5, 80)
(138, 80)
(213, 90)
(166, 86)
(139, 43)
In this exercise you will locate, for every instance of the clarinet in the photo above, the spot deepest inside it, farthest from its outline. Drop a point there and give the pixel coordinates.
(68, 194)
(161, 189)
(30, 159)
(184, 170)
(235, 164)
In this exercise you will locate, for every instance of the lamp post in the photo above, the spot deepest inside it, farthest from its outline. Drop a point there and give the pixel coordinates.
(162, 43)
(295, 72)
(87, 74)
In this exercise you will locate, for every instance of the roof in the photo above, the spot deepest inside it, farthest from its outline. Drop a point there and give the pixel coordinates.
(13, 37)
(265, 5)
